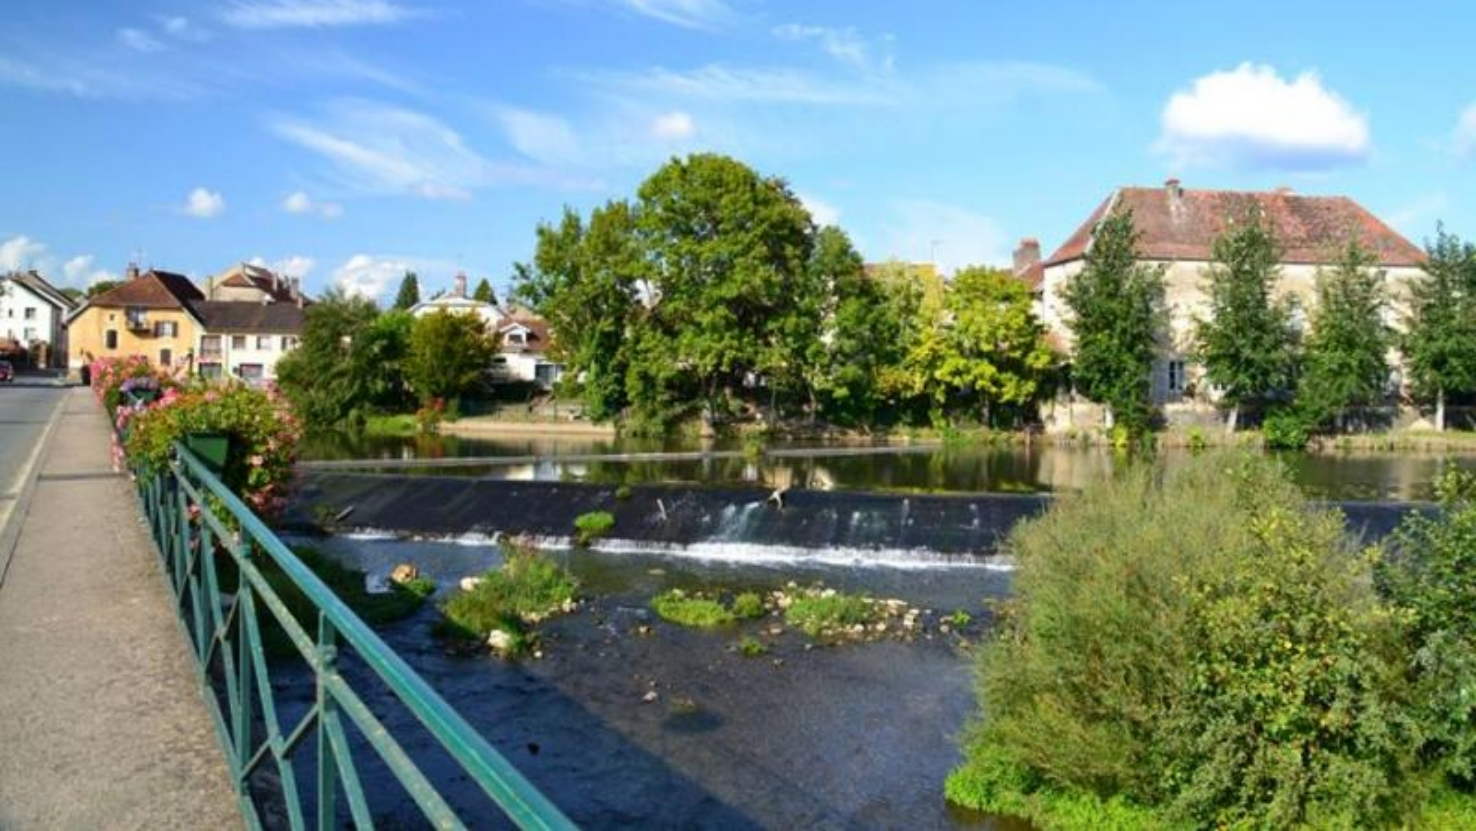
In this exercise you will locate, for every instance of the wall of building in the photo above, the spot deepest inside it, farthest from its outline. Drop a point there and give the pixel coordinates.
(45, 323)
(87, 336)
(231, 358)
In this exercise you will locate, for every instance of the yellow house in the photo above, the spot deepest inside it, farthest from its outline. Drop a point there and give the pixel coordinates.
(149, 314)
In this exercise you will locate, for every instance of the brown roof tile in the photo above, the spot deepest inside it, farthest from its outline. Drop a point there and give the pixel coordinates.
(228, 316)
(154, 290)
(1178, 224)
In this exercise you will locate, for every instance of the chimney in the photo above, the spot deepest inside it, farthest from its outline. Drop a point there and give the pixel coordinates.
(460, 290)
(131, 273)
(297, 290)
(1027, 254)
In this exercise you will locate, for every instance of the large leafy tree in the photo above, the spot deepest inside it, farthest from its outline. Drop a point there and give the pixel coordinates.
(1345, 360)
(993, 348)
(728, 252)
(1117, 318)
(409, 293)
(1247, 343)
(321, 377)
(449, 353)
(1440, 339)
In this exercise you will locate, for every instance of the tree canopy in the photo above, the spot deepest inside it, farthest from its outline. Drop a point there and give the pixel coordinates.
(483, 292)
(1440, 338)
(409, 293)
(449, 355)
(993, 351)
(1345, 361)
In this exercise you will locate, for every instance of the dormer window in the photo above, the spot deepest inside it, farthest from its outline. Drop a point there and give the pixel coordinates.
(517, 338)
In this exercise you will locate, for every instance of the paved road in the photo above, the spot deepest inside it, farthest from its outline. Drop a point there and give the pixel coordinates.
(26, 407)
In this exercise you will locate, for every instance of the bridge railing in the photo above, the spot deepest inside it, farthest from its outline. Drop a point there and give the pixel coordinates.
(216, 553)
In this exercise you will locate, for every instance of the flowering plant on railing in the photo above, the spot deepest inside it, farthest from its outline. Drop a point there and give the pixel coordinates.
(261, 429)
(113, 379)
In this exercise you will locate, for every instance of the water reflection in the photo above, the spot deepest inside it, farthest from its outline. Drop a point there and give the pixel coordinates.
(950, 468)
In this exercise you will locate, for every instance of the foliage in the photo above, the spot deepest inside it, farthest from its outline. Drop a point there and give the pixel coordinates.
(430, 415)
(1440, 339)
(409, 293)
(863, 356)
(1247, 342)
(1117, 317)
(825, 613)
(748, 605)
(1199, 642)
(1431, 580)
(751, 647)
(993, 349)
(1345, 356)
(695, 610)
(528, 588)
(263, 437)
(328, 378)
(591, 526)
(1286, 428)
(483, 292)
(449, 355)
(113, 378)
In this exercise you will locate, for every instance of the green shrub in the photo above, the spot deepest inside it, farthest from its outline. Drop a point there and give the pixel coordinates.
(526, 589)
(748, 605)
(1198, 642)
(591, 526)
(751, 647)
(1197, 441)
(622, 492)
(1430, 578)
(958, 618)
(691, 610)
(828, 612)
(1286, 430)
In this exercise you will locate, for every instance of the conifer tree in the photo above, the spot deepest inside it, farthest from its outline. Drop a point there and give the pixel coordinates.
(1440, 343)
(409, 293)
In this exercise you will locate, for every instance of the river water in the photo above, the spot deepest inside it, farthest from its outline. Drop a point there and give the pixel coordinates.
(807, 735)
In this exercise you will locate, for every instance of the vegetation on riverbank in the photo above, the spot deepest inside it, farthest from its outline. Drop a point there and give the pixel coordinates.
(1202, 647)
(501, 606)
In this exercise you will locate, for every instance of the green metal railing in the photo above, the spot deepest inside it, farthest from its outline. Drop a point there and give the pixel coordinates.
(214, 551)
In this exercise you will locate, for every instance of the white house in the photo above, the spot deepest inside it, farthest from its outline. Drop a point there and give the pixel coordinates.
(1178, 228)
(523, 337)
(244, 340)
(33, 315)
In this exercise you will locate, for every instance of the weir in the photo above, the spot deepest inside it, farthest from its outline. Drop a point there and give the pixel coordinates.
(730, 522)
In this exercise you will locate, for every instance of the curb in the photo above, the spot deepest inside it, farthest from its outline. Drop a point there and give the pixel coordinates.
(10, 533)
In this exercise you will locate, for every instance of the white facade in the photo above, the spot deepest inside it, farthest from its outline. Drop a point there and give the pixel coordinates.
(249, 356)
(28, 317)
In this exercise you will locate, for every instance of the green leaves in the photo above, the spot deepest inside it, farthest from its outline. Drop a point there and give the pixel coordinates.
(1346, 362)
(449, 354)
(1440, 343)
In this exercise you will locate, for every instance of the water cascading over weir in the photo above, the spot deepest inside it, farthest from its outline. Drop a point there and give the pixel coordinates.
(744, 524)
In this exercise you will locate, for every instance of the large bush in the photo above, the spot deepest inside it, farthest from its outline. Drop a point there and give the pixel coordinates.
(1198, 647)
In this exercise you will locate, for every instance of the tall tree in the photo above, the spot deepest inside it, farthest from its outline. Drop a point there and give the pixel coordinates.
(1117, 319)
(409, 293)
(1345, 360)
(1246, 344)
(861, 332)
(483, 292)
(449, 353)
(320, 376)
(728, 252)
(1440, 330)
(993, 350)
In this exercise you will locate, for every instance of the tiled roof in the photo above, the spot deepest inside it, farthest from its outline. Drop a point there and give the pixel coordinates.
(154, 290)
(42, 289)
(537, 340)
(236, 316)
(1179, 224)
(248, 276)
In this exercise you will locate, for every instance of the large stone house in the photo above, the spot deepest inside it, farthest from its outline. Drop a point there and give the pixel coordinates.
(1178, 228)
(147, 314)
(33, 318)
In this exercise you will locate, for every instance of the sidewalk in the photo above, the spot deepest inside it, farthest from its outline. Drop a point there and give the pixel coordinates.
(101, 724)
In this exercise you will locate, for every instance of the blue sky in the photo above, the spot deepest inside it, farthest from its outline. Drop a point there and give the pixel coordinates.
(347, 140)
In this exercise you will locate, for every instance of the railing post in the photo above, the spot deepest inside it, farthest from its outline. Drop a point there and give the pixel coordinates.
(182, 535)
(326, 706)
(245, 609)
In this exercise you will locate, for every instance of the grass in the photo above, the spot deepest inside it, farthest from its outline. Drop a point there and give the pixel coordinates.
(526, 589)
(820, 613)
(751, 647)
(402, 424)
(693, 610)
(748, 605)
(591, 526)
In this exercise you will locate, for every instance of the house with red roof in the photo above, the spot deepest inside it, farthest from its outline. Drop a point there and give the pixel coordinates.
(1178, 228)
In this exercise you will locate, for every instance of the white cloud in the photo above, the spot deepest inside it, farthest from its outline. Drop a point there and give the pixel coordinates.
(79, 271)
(383, 149)
(294, 266)
(822, 212)
(298, 202)
(845, 45)
(367, 276)
(20, 253)
(1250, 116)
(279, 14)
(541, 137)
(1465, 133)
(139, 41)
(204, 204)
(673, 126)
(954, 235)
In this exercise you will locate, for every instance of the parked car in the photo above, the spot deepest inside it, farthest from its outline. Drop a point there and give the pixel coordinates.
(7, 372)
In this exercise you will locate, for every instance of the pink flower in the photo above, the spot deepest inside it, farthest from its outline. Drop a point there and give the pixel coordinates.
(256, 461)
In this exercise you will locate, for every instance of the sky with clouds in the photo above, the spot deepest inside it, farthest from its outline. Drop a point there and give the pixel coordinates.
(346, 141)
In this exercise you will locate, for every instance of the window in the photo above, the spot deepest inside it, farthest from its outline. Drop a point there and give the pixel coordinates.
(166, 357)
(210, 348)
(110, 339)
(288, 342)
(138, 318)
(517, 338)
(30, 313)
(238, 341)
(30, 333)
(1176, 377)
(264, 342)
(251, 373)
(165, 328)
(210, 370)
